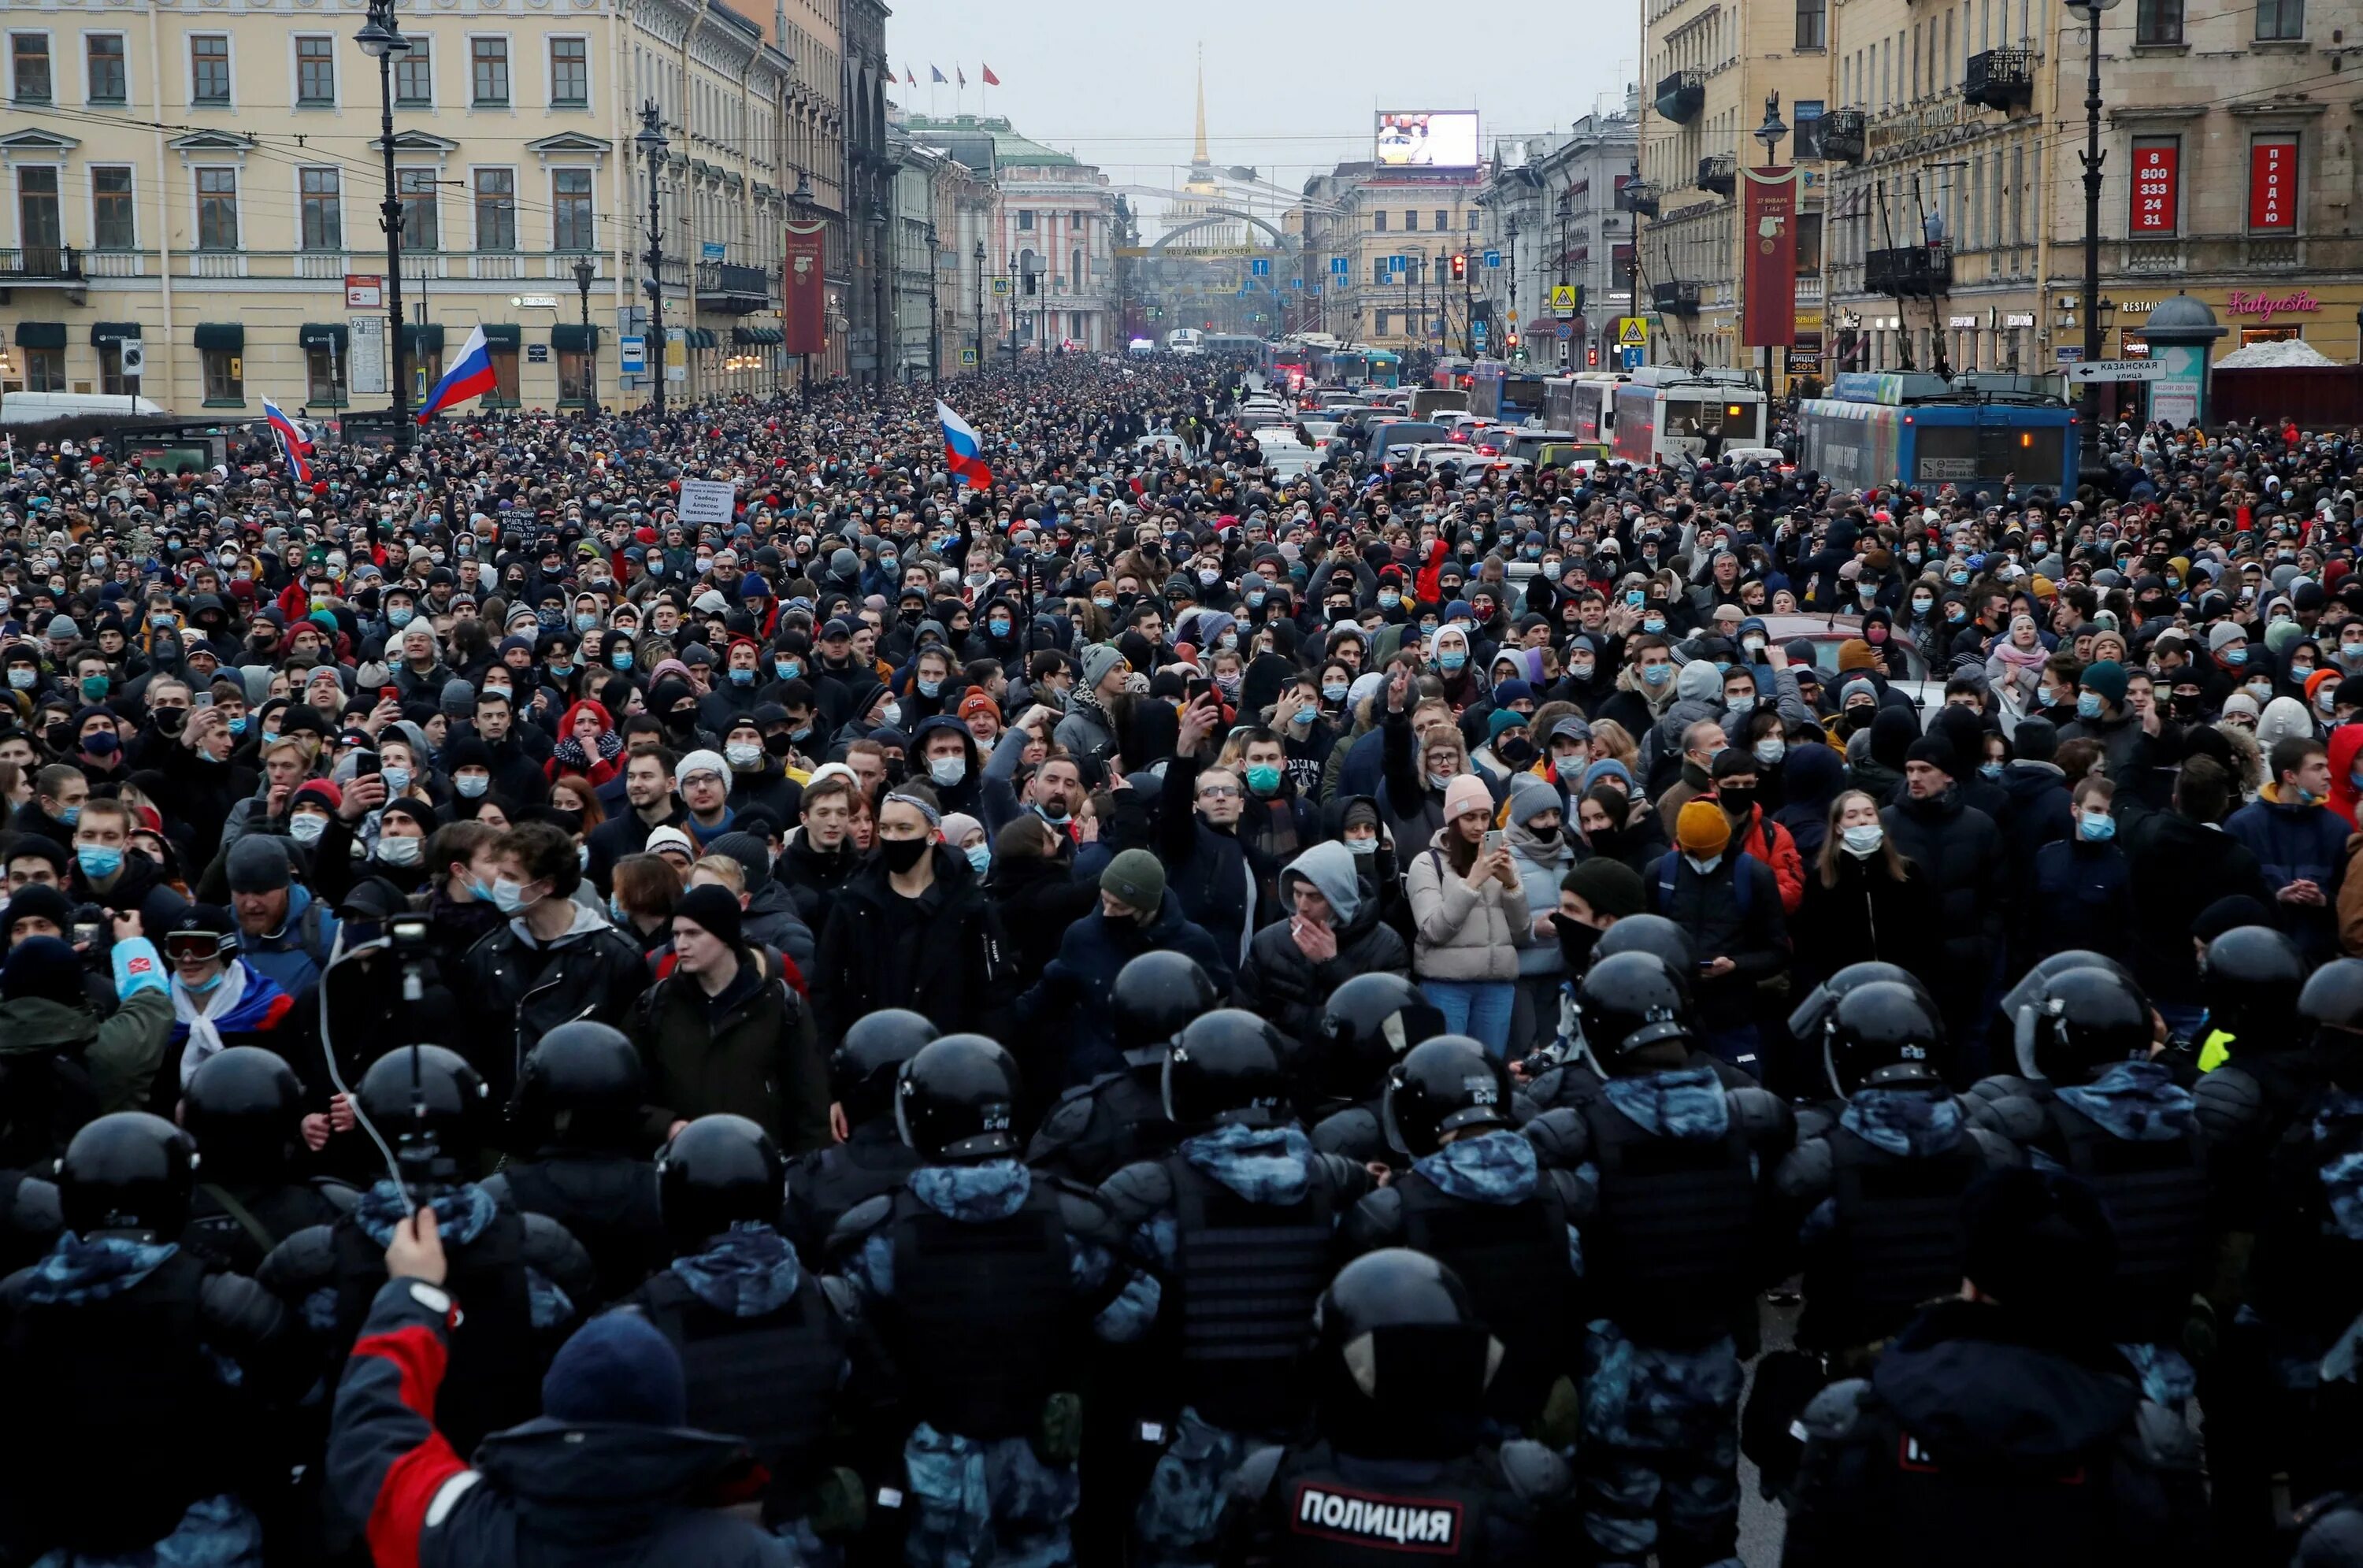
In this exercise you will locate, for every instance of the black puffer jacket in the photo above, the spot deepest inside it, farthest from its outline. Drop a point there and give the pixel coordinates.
(941, 955)
(1282, 984)
(1960, 850)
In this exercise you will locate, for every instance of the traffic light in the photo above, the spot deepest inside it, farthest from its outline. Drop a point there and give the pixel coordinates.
(1514, 341)
(1029, 282)
(1592, 357)
(1459, 268)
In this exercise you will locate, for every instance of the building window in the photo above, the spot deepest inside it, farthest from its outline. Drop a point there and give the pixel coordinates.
(323, 376)
(1444, 220)
(574, 376)
(1378, 221)
(109, 83)
(217, 209)
(2281, 18)
(570, 74)
(112, 225)
(571, 218)
(1025, 218)
(111, 382)
(491, 61)
(1812, 23)
(1411, 221)
(38, 224)
(1075, 271)
(420, 229)
(225, 375)
(2160, 21)
(45, 370)
(29, 53)
(315, 73)
(1808, 115)
(324, 220)
(496, 209)
(414, 75)
(1378, 270)
(209, 71)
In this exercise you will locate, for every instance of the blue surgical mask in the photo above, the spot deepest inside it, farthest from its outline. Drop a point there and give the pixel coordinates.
(1989, 769)
(1388, 599)
(786, 668)
(742, 678)
(980, 857)
(1653, 624)
(1335, 692)
(2088, 704)
(2237, 655)
(1704, 865)
(401, 616)
(1263, 780)
(615, 911)
(98, 861)
(203, 987)
(2097, 830)
(510, 896)
(1657, 674)
(1738, 705)
(1770, 752)
(1864, 837)
(238, 725)
(584, 623)
(930, 688)
(998, 626)
(472, 785)
(621, 659)
(1451, 660)
(71, 815)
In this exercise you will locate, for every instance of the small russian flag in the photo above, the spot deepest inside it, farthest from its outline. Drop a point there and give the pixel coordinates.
(964, 453)
(293, 445)
(470, 375)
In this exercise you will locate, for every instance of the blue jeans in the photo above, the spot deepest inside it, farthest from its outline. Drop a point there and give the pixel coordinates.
(1478, 1009)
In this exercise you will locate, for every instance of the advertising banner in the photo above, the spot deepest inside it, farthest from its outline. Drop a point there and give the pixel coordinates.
(1427, 139)
(1767, 228)
(802, 316)
(2272, 182)
(2156, 165)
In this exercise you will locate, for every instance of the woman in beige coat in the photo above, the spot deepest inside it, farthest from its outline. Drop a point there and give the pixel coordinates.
(1469, 915)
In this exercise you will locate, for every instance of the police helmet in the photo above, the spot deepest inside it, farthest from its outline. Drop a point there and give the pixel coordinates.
(718, 1171)
(1402, 1358)
(1812, 1015)
(1227, 1066)
(128, 1171)
(1883, 1034)
(1155, 996)
(245, 1108)
(1649, 934)
(2333, 996)
(584, 1086)
(1629, 1001)
(2080, 1023)
(452, 1106)
(2251, 979)
(957, 1099)
(2029, 989)
(1373, 1019)
(1449, 1084)
(863, 1069)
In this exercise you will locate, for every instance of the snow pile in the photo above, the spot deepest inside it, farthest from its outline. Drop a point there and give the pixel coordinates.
(2277, 354)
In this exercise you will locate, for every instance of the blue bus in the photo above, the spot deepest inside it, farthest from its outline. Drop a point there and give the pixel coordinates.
(1386, 367)
(1921, 432)
(1505, 392)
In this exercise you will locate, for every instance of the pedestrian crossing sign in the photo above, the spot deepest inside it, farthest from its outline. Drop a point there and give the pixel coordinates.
(1566, 300)
(1632, 331)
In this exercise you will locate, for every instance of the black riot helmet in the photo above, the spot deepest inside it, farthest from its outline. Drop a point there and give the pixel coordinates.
(2081, 1022)
(128, 1172)
(453, 1096)
(1881, 1034)
(718, 1171)
(1811, 1016)
(2250, 981)
(1449, 1084)
(956, 1100)
(245, 1108)
(1402, 1359)
(1370, 1021)
(2029, 989)
(581, 1088)
(1629, 1001)
(2332, 1003)
(1229, 1066)
(1156, 996)
(1650, 934)
(863, 1068)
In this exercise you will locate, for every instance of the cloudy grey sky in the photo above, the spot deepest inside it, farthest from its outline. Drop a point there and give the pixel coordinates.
(1290, 88)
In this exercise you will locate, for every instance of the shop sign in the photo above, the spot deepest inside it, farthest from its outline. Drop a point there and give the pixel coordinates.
(2243, 302)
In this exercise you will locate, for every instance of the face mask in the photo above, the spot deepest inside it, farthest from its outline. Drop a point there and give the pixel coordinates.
(980, 857)
(509, 896)
(1705, 866)
(1388, 599)
(98, 861)
(1653, 624)
(1956, 615)
(1451, 660)
(1263, 780)
(401, 616)
(891, 715)
(1771, 752)
(948, 771)
(1738, 705)
(472, 785)
(71, 815)
(616, 912)
(997, 626)
(744, 755)
(1658, 674)
(2088, 704)
(1957, 579)
(1439, 780)
(400, 851)
(22, 680)
(1920, 606)
(585, 622)
(1335, 692)
(2351, 652)
(2097, 830)
(94, 686)
(1989, 769)
(1737, 798)
(307, 829)
(1864, 838)
(901, 853)
(621, 659)
(930, 688)
(2262, 690)
(785, 669)
(1362, 847)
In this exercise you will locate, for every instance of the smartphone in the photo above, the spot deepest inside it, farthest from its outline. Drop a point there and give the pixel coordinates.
(389, 693)
(86, 932)
(365, 764)
(200, 699)
(1493, 840)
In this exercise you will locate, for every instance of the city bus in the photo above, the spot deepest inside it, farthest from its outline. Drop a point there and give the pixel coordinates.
(1289, 366)
(1344, 366)
(1386, 367)
(1666, 412)
(1185, 340)
(1584, 403)
(1499, 391)
(1921, 431)
(1451, 372)
(1233, 345)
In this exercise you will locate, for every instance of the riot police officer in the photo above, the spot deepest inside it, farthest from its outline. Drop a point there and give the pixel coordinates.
(578, 1116)
(870, 1156)
(526, 1279)
(1477, 1199)
(244, 1107)
(980, 1275)
(1369, 1022)
(1237, 1223)
(2255, 984)
(1674, 1253)
(1573, 1078)
(133, 1431)
(1397, 1464)
(2093, 1102)
(764, 1345)
(1096, 1128)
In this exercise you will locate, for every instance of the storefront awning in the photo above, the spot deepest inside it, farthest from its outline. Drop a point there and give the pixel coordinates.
(574, 339)
(323, 335)
(226, 335)
(112, 331)
(503, 335)
(41, 335)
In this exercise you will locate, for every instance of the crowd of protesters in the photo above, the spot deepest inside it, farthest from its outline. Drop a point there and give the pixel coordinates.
(1162, 873)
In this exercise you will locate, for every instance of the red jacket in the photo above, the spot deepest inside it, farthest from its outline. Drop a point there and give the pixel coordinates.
(1770, 841)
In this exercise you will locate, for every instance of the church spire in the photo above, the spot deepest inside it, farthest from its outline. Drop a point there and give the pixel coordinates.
(1198, 152)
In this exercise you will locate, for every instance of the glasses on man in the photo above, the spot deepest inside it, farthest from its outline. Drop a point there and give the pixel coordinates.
(1218, 792)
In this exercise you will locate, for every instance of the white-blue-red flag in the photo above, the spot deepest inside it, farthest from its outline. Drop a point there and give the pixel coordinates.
(964, 453)
(470, 375)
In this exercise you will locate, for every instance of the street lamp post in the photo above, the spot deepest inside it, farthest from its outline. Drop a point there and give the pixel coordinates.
(1769, 133)
(978, 256)
(651, 142)
(2090, 456)
(1013, 310)
(935, 340)
(583, 273)
(382, 40)
(801, 199)
(1515, 314)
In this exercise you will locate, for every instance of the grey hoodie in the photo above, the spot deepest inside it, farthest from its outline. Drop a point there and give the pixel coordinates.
(1330, 868)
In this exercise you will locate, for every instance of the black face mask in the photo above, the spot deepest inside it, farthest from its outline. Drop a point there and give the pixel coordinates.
(1514, 751)
(1737, 798)
(1576, 941)
(681, 723)
(1545, 834)
(901, 853)
(778, 745)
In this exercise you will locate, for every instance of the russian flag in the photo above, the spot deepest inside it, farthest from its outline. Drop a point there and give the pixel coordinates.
(470, 375)
(964, 453)
(293, 445)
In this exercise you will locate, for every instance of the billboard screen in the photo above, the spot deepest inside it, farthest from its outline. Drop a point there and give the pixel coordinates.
(1427, 139)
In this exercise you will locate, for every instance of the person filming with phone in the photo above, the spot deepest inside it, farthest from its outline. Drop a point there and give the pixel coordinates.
(1469, 916)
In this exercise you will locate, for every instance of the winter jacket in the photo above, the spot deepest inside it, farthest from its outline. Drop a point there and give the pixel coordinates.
(941, 953)
(517, 989)
(1036, 900)
(1868, 915)
(1540, 868)
(297, 953)
(1960, 850)
(1723, 923)
(1280, 983)
(1768, 841)
(749, 1052)
(1207, 869)
(2177, 868)
(624, 834)
(2079, 895)
(2297, 843)
(138, 890)
(121, 1052)
(1464, 934)
(771, 919)
(813, 879)
(1072, 1001)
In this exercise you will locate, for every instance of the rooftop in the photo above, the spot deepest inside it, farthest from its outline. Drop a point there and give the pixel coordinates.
(1009, 149)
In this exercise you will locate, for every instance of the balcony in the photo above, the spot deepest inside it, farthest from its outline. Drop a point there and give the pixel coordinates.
(60, 265)
(2001, 79)
(1842, 136)
(1718, 173)
(1919, 272)
(730, 289)
(1681, 96)
(1637, 196)
(1675, 299)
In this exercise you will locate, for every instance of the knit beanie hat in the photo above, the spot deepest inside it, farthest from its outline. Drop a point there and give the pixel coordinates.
(1136, 878)
(1856, 653)
(1098, 659)
(44, 967)
(753, 856)
(617, 1368)
(1609, 887)
(1530, 797)
(1701, 828)
(1467, 792)
(715, 908)
(258, 864)
(2108, 679)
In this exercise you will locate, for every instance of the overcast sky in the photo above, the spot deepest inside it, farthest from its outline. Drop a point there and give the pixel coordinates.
(1290, 89)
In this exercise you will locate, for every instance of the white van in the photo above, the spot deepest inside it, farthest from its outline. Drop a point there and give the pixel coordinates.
(36, 408)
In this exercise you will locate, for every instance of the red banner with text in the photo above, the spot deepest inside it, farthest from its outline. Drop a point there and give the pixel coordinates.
(1768, 227)
(2272, 182)
(2157, 165)
(803, 316)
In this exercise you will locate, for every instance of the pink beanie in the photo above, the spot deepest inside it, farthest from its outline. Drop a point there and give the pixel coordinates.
(1467, 792)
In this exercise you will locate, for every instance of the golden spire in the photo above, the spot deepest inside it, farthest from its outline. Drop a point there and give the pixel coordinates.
(1198, 152)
